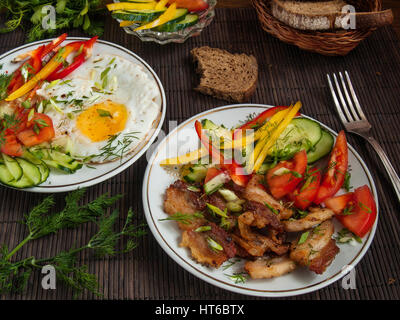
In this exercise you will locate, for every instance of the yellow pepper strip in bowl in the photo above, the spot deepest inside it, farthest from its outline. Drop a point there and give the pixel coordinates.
(43, 73)
(131, 6)
(161, 4)
(275, 135)
(165, 17)
(126, 23)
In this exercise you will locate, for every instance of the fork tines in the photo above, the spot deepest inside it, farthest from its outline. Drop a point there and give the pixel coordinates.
(347, 104)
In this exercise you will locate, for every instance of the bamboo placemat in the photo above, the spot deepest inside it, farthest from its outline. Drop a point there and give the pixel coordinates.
(286, 75)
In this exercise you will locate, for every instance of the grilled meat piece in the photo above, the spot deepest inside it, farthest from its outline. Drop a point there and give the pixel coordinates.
(266, 268)
(263, 216)
(254, 242)
(318, 250)
(315, 217)
(256, 192)
(198, 243)
(179, 199)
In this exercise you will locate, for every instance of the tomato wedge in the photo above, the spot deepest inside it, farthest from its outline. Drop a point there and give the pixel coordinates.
(236, 171)
(339, 203)
(286, 175)
(41, 130)
(211, 173)
(11, 146)
(191, 5)
(334, 177)
(363, 212)
(306, 192)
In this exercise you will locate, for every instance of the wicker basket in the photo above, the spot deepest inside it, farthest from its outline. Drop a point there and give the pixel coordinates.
(333, 43)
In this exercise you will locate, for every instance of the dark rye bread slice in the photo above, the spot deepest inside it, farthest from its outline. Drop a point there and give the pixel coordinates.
(324, 15)
(227, 76)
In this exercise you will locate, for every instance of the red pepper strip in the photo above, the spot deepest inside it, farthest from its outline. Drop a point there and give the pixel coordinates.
(54, 44)
(35, 62)
(78, 60)
(262, 117)
(236, 171)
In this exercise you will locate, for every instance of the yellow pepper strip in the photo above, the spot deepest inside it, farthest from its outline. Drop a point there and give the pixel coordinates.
(126, 23)
(131, 6)
(161, 4)
(258, 134)
(165, 17)
(42, 74)
(188, 157)
(275, 135)
(266, 131)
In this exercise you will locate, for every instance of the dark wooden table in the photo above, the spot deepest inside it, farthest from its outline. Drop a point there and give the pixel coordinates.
(393, 4)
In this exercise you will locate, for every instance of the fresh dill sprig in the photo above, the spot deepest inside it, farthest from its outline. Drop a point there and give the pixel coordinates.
(116, 150)
(14, 275)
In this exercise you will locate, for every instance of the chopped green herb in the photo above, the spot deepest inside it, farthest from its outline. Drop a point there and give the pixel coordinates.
(203, 229)
(303, 237)
(215, 246)
(183, 218)
(104, 113)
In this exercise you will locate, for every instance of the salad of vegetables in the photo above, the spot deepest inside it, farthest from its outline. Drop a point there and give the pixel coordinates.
(161, 16)
(267, 191)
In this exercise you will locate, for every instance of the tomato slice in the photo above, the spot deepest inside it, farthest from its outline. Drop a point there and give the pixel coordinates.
(306, 192)
(286, 175)
(11, 146)
(339, 203)
(334, 177)
(211, 173)
(41, 130)
(191, 5)
(364, 212)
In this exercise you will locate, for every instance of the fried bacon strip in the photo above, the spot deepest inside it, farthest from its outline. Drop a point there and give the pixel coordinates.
(315, 217)
(318, 250)
(266, 268)
(198, 243)
(179, 199)
(255, 192)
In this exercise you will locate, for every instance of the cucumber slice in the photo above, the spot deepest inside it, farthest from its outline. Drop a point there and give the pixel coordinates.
(216, 131)
(43, 168)
(190, 20)
(140, 16)
(322, 148)
(5, 175)
(300, 134)
(197, 173)
(66, 167)
(215, 183)
(13, 167)
(58, 160)
(180, 15)
(31, 171)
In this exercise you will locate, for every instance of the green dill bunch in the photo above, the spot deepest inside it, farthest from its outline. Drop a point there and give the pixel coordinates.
(31, 16)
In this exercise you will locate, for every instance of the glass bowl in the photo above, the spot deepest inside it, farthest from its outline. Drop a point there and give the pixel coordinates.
(205, 18)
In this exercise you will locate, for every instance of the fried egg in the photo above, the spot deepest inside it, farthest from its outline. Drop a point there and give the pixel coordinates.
(102, 110)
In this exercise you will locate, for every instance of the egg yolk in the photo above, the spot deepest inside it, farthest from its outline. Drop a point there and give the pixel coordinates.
(102, 120)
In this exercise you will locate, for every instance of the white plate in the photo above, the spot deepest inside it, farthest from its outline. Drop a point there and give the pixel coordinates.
(85, 177)
(168, 235)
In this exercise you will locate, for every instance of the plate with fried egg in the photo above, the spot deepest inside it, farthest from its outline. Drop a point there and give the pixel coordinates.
(105, 115)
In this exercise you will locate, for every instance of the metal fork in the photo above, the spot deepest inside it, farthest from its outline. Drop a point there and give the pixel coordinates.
(355, 121)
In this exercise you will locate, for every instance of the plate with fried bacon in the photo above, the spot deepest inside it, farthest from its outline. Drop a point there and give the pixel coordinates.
(260, 200)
